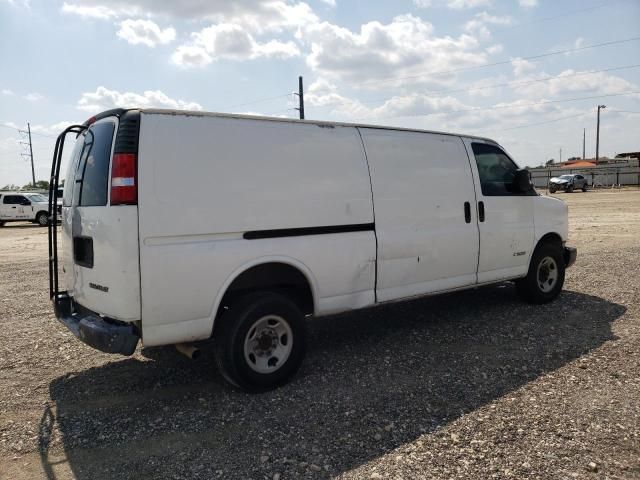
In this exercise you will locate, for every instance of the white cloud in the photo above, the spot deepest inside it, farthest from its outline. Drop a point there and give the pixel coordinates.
(405, 47)
(256, 15)
(33, 97)
(528, 3)
(92, 11)
(478, 24)
(105, 99)
(331, 3)
(521, 66)
(228, 41)
(567, 82)
(453, 4)
(145, 32)
(191, 56)
(6, 91)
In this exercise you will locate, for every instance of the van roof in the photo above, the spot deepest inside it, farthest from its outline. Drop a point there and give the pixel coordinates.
(193, 113)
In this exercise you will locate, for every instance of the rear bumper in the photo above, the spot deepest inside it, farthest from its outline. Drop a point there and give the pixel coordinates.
(103, 334)
(570, 255)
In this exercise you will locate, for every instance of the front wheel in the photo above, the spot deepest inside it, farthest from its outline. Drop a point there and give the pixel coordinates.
(42, 219)
(552, 190)
(545, 278)
(570, 189)
(260, 341)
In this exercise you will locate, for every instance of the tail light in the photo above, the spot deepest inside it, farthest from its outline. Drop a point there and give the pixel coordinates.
(124, 188)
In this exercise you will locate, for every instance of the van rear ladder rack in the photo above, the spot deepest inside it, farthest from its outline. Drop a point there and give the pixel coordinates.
(52, 225)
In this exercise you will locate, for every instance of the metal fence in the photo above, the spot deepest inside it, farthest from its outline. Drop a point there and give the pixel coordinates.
(598, 177)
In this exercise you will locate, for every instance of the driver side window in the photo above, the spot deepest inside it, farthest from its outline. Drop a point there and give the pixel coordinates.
(496, 170)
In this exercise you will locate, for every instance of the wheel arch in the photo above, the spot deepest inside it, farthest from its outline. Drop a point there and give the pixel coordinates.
(293, 275)
(549, 237)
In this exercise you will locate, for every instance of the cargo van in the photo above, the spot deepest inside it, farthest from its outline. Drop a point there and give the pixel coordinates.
(184, 226)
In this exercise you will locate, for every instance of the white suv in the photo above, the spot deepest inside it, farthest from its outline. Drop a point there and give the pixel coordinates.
(24, 207)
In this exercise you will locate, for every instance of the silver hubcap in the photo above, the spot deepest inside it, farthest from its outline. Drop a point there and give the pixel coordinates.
(547, 274)
(43, 220)
(268, 344)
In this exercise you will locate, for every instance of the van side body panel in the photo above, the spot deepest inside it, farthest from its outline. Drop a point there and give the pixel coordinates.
(550, 216)
(245, 175)
(421, 182)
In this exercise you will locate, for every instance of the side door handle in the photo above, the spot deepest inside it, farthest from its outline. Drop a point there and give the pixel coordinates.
(481, 211)
(467, 212)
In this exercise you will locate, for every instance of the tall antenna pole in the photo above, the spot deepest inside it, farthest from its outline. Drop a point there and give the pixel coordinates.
(300, 98)
(33, 171)
(560, 155)
(584, 138)
(598, 135)
(30, 154)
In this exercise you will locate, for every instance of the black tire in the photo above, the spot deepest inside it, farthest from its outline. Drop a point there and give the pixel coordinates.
(1, 224)
(534, 288)
(552, 190)
(235, 327)
(570, 189)
(584, 187)
(42, 219)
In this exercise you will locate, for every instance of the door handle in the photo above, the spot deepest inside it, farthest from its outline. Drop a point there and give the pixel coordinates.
(481, 211)
(14, 207)
(467, 212)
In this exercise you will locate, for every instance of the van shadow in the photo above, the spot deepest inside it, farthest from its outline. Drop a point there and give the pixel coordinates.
(372, 381)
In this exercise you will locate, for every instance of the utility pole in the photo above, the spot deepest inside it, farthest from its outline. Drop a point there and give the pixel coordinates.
(30, 154)
(598, 134)
(584, 138)
(560, 155)
(300, 98)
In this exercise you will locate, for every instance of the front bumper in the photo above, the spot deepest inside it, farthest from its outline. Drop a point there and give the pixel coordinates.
(110, 336)
(570, 255)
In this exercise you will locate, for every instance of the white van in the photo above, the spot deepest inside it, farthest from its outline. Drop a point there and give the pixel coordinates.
(179, 226)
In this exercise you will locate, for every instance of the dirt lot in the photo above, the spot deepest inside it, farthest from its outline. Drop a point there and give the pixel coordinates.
(467, 385)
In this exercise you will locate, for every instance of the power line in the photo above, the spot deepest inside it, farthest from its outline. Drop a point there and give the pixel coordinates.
(32, 133)
(566, 14)
(500, 107)
(259, 100)
(487, 87)
(624, 111)
(535, 124)
(501, 62)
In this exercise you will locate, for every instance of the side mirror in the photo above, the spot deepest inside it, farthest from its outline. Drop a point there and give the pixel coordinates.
(522, 181)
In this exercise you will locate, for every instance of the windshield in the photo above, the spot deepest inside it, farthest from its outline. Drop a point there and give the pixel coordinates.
(566, 177)
(36, 197)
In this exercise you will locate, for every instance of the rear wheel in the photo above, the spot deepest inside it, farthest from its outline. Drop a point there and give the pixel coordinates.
(584, 187)
(545, 278)
(42, 219)
(260, 341)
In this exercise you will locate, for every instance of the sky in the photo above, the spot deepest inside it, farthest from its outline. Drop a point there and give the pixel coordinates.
(527, 73)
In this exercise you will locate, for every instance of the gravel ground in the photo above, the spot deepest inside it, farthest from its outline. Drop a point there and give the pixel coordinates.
(467, 385)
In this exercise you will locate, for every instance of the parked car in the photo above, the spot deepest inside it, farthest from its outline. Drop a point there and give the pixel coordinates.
(568, 183)
(273, 220)
(24, 207)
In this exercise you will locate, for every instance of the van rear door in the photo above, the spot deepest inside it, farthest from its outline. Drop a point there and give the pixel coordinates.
(100, 237)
